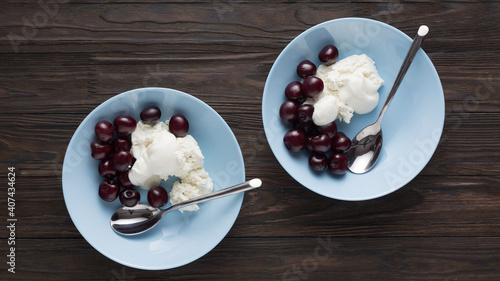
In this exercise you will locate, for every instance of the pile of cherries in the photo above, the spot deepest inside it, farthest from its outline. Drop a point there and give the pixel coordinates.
(319, 141)
(112, 148)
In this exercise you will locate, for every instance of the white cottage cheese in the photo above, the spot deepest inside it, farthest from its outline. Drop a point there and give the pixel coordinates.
(160, 155)
(350, 86)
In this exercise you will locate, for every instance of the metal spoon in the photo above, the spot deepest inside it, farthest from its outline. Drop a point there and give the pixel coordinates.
(367, 144)
(141, 218)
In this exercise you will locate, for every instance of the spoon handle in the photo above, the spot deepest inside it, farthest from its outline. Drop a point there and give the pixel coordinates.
(415, 46)
(242, 187)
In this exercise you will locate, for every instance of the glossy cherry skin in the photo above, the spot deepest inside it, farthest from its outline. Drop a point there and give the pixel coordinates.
(106, 169)
(308, 144)
(288, 111)
(308, 127)
(305, 113)
(178, 125)
(337, 163)
(295, 140)
(321, 143)
(318, 161)
(293, 91)
(121, 143)
(341, 142)
(157, 196)
(104, 130)
(100, 150)
(150, 115)
(108, 190)
(312, 86)
(329, 129)
(123, 180)
(124, 125)
(306, 68)
(130, 197)
(122, 160)
(328, 55)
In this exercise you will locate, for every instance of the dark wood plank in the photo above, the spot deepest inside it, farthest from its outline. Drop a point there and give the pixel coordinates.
(248, 24)
(81, 83)
(316, 258)
(226, 4)
(427, 206)
(45, 138)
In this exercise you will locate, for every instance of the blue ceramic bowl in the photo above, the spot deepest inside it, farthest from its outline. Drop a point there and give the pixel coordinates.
(412, 125)
(179, 238)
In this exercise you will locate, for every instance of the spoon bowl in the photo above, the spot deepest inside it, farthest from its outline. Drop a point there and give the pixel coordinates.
(135, 220)
(365, 149)
(367, 144)
(141, 218)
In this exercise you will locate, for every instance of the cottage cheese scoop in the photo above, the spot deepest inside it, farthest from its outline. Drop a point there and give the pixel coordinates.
(351, 86)
(160, 155)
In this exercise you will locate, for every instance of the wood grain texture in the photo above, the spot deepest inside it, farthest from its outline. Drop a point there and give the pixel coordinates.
(443, 225)
(461, 129)
(319, 258)
(428, 206)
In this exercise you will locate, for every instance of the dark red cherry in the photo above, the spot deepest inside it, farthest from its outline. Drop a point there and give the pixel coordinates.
(157, 196)
(321, 143)
(306, 68)
(341, 142)
(308, 127)
(301, 100)
(123, 180)
(312, 86)
(106, 169)
(293, 91)
(150, 115)
(108, 190)
(100, 150)
(330, 129)
(337, 163)
(121, 143)
(288, 111)
(129, 197)
(305, 113)
(318, 161)
(104, 130)
(124, 125)
(295, 140)
(328, 55)
(178, 125)
(122, 160)
(308, 144)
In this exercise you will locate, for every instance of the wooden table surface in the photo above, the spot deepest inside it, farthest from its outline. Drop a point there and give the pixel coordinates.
(59, 61)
